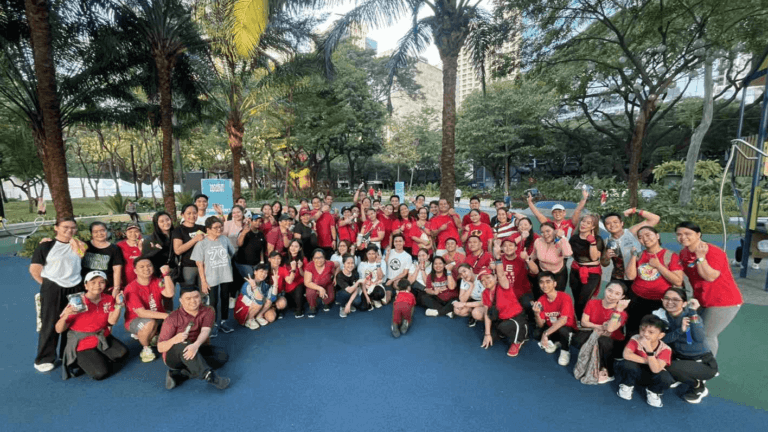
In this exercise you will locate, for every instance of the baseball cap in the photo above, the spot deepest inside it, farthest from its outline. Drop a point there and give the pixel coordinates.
(256, 216)
(484, 272)
(304, 212)
(558, 207)
(284, 217)
(95, 274)
(132, 226)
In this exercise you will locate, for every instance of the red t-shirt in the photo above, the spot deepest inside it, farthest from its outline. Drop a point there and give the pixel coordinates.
(129, 254)
(94, 319)
(275, 238)
(323, 227)
(561, 307)
(406, 297)
(451, 232)
(395, 225)
(600, 315)
(414, 231)
(566, 225)
(457, 260)
(138, 296)
(478, 262)
(517, 237)
(649, 283)
(348, 232)
(484, 218)
(482, 230)
(386, 224)
(283, 285)
(517, 275)
(663, 352)
(442, 282)
(505, 300)
(324, 278)
(722, 291)
(368, 227)
(266, 226)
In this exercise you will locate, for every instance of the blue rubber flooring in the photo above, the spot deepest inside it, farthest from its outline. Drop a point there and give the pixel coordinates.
(329, 373)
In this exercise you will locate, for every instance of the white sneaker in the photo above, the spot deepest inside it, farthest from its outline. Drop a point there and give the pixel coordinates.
(231, 303)
(653, 399)
(352, 309)
(549, 348)
(147, 355)
(755, 266)
(449, 315)
(376, 304)
(431, 312)
(625, 391)
(565, 358)
(44, 367)
(342, 314)
(262, 321)
(252, 324)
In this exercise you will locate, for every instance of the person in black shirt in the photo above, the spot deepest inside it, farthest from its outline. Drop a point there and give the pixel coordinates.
(158, 246)
(252, 248)
(103, 256)
(184, 239)
(304, 232)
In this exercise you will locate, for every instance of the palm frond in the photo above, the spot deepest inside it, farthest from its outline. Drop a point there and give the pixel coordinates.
(250, 19)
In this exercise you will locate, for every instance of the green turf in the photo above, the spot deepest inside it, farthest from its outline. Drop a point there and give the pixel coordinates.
(18, 211)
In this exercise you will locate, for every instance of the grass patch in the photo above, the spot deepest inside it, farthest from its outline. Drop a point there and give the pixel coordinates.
(18, 211)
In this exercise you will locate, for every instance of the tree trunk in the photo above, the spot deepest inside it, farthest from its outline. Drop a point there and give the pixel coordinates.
(136, 186)
(698, 136)
(52, 150)
(177, 146)
(351, 162)
(164, 68)
(235, 131)
(636, 147)
(82, 186)
(450, 60)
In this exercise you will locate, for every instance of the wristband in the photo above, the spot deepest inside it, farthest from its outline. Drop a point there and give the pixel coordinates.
(487, 334)
(639, 212)
(650, 354)
(166, 274)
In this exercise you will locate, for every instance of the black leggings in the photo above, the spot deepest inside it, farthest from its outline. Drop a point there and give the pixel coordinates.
(582, 293)
(515, 328)
(208, 357)
(97, 364)
(690, 371)
(637, 309)
(563, 335)
(53, 300)
(607, 348)
(295, 299)
(430, 301)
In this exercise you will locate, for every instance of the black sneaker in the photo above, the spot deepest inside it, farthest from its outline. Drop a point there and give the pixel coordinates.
(695, 395)
(471, 322)
(219, 382)
(299, 314)
(170, 381)
(280, 315)
(395, 330)
(312, 312)
(404, 326)
(326, 307)
(225, 328)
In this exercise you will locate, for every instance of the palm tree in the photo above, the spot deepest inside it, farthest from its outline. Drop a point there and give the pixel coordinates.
(448, 26)
(168, 34)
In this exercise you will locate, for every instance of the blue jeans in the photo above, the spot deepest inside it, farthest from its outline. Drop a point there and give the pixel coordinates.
(245, 270)
(342, 297)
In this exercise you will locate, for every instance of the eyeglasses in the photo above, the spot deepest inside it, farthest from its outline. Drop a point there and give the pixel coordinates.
(672, 300)
(216, 227)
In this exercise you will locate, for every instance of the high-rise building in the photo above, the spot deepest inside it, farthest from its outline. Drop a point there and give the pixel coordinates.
(467, 80)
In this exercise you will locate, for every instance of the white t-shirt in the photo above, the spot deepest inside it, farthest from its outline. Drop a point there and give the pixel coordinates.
(365, 268)
(458, 193)
(397, 262)
(414, 269)
(477, 289)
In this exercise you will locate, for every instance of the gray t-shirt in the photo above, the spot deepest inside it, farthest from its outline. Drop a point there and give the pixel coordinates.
(477, 289)
(216, 256)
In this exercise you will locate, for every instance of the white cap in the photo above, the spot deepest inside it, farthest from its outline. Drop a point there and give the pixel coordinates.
(558, 207)
(94, 274)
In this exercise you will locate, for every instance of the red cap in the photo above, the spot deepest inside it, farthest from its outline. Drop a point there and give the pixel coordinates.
(304, 211)
(484, 271)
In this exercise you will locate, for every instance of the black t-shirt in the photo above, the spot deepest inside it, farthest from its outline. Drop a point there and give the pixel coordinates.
(581, 248)
(308, 237)
(252, 250)
(186, 234)
(343, 281)
(102, 259)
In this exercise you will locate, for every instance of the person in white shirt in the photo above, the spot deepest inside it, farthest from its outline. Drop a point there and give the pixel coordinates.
(398, 263)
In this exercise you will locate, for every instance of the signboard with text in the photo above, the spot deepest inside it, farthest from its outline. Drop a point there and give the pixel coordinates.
(219, 191)
(400, 191)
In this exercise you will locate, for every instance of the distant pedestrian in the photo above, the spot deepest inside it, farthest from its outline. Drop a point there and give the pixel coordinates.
(457, 195)
(603, 197)
(130, 210)
(41, 206)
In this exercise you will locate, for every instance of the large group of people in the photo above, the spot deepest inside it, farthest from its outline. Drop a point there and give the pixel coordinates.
(645, 330)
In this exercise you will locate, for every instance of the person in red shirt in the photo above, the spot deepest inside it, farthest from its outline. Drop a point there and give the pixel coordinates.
(347, 226)
(384, 215)
(291, 278)
(503, 313)
(372, 232)
(476, 257)
(710, 275)
(525, 237)
(440, 292)
(325, 226)
(269, 219)
(402, 308)
(452, 257)
(558, 214)
(279, 236)
(96, 350)
(144, 311)
(479, 229)
(400, 223)
(131, 248)
(419, 233)
(445, 225)
(646, 358)
(185, 344)
(655, 271)
(474, 204)
(555, 318)
(607, 318)
(318, 282)
(516, 268)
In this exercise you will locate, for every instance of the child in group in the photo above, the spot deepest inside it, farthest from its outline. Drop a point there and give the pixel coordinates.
(646, 358)
(402, 308)
(254, 305)
(555, 318)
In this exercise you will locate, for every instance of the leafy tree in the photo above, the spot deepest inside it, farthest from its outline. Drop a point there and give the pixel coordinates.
(19, 163)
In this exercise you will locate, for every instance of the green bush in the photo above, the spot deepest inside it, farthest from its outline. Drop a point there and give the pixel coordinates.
(184, 198)
(704, 170)
(116, 203)
(262, 195)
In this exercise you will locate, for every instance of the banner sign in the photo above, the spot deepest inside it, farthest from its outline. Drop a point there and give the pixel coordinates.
(219, 191)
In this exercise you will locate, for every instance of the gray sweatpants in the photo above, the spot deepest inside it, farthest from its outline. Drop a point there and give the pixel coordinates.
(716, 319)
